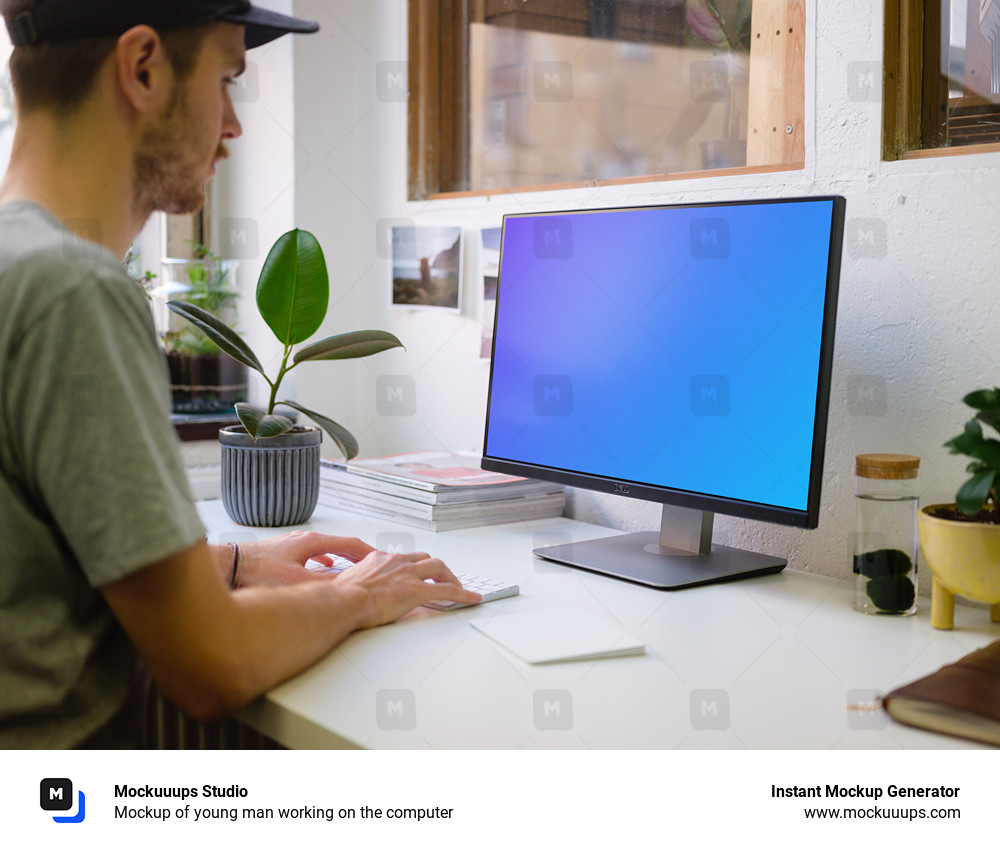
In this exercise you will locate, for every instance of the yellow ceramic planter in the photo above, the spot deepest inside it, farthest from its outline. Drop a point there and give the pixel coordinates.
(964, 559)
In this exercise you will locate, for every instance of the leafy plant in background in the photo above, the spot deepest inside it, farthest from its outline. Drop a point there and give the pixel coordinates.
(208, 287)
(709, 23)
(145, 280)
(977, 498)
(293, 293)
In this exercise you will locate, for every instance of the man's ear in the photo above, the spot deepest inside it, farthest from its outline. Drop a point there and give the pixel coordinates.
(142, 67)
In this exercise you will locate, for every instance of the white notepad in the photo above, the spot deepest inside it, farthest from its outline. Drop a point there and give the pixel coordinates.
(558, 634)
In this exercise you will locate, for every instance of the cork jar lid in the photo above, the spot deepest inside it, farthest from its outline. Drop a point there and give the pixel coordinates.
(887, 466)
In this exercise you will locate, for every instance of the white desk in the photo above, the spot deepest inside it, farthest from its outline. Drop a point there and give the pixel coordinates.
(763, 664)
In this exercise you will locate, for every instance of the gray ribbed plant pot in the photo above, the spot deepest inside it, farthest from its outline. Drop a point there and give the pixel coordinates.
(272, 482)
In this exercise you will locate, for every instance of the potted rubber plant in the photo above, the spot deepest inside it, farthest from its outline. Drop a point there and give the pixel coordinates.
(960, 541)
(270, 465)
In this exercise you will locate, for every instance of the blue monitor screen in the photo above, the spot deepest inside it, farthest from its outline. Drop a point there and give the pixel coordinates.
(685, 349)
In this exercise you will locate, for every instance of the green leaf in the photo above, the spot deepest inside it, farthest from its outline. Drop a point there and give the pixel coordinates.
(293, 291)
(221, 334)
(341, 436)
(986, 451)
(972, 494)
(990, 417)
(983, 399)
(966, 442)
(987, 405)
(260, 424)
(742, 25)
(344, 346)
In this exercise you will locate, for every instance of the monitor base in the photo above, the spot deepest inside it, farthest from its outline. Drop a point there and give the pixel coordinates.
(640, 558)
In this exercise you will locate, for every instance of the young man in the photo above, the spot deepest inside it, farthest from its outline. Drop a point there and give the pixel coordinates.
(124, 109)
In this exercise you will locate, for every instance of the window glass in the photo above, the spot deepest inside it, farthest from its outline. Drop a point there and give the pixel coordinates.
(941, 81)
(509, 94)
(6, 100)
(649, 88)
(970, 49)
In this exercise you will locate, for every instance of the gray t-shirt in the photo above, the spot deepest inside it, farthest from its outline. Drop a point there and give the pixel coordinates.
(92, 487)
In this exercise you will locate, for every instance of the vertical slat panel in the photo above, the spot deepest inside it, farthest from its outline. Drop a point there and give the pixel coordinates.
(168, 728)
(777, 83)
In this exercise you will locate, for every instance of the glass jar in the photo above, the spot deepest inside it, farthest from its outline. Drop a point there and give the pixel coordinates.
(202, 378)
(886, 487)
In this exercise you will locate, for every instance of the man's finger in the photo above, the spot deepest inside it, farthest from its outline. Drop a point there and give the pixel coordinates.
(347, 547)
(435, 570)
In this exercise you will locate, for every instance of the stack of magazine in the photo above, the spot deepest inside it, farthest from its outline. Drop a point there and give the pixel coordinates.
(435, 490)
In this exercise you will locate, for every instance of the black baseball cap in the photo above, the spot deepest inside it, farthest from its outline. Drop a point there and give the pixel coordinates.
(63, 20)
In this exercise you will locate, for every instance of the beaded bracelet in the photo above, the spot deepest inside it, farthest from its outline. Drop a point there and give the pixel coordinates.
(234, 579)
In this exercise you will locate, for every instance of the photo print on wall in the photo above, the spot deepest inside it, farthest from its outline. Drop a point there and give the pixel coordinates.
(427, 267)
(489, 263)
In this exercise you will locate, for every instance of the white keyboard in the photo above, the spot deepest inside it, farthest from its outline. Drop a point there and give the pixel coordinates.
(490, 589)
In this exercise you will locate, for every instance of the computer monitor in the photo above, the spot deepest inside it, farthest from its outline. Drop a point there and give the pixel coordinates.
(678, 354)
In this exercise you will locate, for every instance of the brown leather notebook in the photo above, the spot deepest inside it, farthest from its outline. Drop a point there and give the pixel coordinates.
(961, 699)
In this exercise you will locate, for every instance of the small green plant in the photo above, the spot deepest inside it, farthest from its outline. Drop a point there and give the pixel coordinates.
(208, 287)
(977, 497)
(145, 280)
(293, 293)
(723, 25)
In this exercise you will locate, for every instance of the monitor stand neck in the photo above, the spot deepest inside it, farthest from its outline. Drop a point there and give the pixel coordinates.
(684, 531)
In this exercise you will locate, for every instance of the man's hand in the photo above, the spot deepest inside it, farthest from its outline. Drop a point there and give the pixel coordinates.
(212, 651)
(388, 586)
(281, 560)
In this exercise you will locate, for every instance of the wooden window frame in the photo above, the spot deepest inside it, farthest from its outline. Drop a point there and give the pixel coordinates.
(915, 98)
(437, 44)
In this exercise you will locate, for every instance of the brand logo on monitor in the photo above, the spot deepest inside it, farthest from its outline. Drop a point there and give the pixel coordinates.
(622, 489)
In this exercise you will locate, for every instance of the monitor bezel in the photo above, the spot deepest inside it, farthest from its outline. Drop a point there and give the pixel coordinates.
(782, 515)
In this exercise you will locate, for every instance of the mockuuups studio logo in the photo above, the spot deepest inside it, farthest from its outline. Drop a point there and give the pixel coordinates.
(866, 238)
(246, 87)
(710, 395)
(79, 231)
(865, 713)
(239, 238)
(709, 81)
(396, 710)
(390, 82)
(56, 795)
(553, 81)
(863, 79)
(544, 539)
(553, 709)
(867, 395)
(553, 395)
(553, 238)
(395, 542)
(709, 238)
(709, 710)
(395, 395)
(395, 238)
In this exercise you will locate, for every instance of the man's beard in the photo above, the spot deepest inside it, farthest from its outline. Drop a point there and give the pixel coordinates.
(164, 179)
